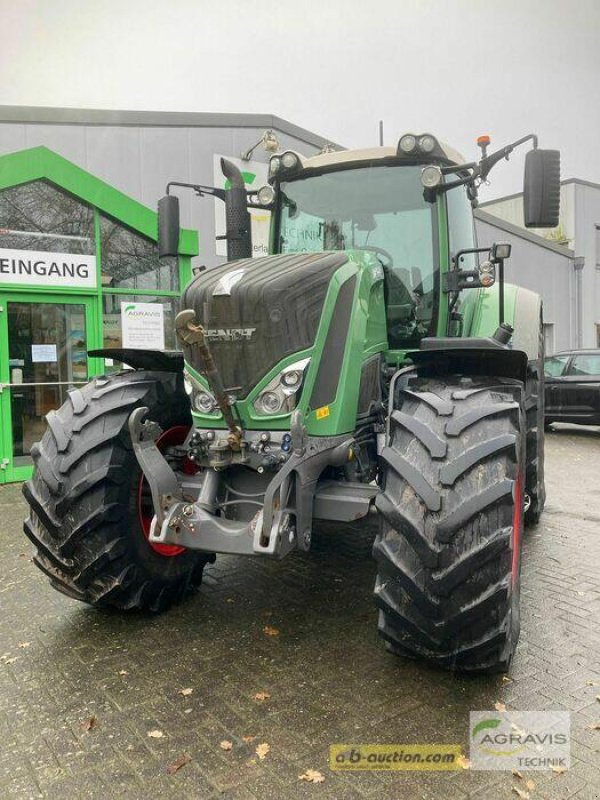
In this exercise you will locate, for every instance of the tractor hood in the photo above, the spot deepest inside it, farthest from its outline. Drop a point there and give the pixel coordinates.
(258, 311)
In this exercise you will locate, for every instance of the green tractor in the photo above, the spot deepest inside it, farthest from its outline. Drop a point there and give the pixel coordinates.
(375, 361)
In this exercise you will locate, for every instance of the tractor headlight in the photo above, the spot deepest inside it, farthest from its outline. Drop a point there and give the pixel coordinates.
(280, 394)
(431, 176)
(426, 143)
(274, 165)
(408, 143)
(204, 402)
(266, 195)
(270, 402)
(290, 160)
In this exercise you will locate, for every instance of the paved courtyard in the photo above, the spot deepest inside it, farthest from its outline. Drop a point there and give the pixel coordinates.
(287, 655)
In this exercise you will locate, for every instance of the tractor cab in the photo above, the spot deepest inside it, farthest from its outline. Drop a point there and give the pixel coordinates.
(374, 200)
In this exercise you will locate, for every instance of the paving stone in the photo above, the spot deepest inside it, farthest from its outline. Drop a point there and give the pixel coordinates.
(329, 678)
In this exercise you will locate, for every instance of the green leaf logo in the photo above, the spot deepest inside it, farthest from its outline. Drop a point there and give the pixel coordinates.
(483, 725)
(129, 308)
(249, 178)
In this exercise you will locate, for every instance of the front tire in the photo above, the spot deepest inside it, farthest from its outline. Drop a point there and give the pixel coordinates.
(86, 516)
(451, 515)
(536, 427)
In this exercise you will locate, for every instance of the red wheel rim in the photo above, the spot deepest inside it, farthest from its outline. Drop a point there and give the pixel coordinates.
(516, 532)
(169, 438)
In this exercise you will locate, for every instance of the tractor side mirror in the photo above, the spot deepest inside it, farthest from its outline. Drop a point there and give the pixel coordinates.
(168, 226)
(541, 189)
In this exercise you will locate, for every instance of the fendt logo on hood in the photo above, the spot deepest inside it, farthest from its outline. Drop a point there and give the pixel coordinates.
(229, 334)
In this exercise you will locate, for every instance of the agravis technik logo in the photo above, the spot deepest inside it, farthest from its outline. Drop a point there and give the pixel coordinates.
(520, 740)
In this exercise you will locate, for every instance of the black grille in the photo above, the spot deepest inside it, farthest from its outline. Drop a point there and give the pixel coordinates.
(273, 310)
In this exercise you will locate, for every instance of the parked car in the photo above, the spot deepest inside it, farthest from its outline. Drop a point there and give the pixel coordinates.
(573, 387)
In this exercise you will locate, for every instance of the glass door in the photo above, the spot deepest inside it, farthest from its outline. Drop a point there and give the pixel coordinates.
(43, 353)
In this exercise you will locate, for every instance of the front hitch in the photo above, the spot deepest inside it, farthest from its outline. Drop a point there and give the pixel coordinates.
(161, 478)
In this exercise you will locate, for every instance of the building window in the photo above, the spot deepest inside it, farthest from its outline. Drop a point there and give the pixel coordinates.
(130, 261)
(39, 216)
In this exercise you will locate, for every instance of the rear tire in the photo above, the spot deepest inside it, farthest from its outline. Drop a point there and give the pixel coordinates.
(451, 514)
(85, 519)
(534, 471)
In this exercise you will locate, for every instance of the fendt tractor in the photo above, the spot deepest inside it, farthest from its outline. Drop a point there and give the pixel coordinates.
(376, 361)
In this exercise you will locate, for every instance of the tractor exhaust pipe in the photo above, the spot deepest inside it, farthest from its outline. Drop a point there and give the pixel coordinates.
(237, 217)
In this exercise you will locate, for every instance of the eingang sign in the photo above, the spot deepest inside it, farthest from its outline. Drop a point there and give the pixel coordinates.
(55, 270)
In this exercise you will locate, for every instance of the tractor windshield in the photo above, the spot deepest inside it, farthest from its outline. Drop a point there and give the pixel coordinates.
(379, 209)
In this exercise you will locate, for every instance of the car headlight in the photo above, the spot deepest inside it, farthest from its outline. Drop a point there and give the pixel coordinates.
(280, 394)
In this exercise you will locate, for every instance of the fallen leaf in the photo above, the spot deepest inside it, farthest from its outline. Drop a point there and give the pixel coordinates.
(225, 745)
(598, 697)
(311, 776)
(123, 672)
(185, 692)
(11, 660)
(178, 763)
(23, 644)
(130, 748)
(521, 793)
(248, 739)
(463, 762)
(530, 785)
(230, 600)
(558, 770)
(517, 774)
(269, 630)
(262, 750)
(155, 734)
(260, 696)
(595, 726)
(590, 683)
(89, 724)
(506, 679)
(500, 707)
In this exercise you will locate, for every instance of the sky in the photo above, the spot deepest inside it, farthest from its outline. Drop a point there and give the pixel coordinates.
(455, 68)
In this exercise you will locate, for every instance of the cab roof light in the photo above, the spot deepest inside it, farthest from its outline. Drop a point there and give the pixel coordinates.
(411, 144)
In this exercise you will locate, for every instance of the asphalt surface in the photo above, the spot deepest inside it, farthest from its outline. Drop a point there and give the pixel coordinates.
(80, 689)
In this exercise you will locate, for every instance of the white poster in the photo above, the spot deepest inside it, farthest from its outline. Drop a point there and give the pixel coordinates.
(143, 326)
(43, 354)
(38, 268)
(255, 175)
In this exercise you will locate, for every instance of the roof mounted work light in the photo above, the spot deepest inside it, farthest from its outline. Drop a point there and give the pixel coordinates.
(422, 144)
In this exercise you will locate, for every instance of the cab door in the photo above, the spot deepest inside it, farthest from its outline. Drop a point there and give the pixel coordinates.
(43, 353)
